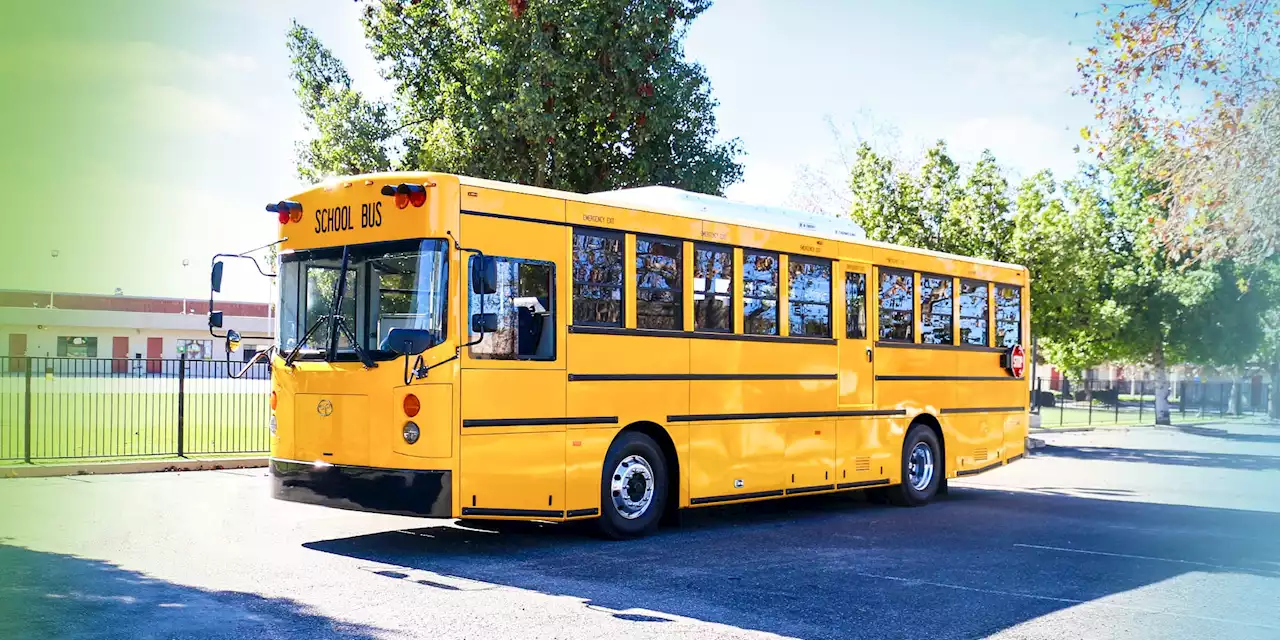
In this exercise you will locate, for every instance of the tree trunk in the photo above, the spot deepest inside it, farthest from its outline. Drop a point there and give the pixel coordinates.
(1274, 390)
(1233, 400)
(1162, 385)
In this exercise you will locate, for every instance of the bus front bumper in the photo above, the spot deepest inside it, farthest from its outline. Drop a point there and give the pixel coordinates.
(403, 492)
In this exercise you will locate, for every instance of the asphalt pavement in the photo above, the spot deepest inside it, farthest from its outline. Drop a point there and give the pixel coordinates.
(1128, 534)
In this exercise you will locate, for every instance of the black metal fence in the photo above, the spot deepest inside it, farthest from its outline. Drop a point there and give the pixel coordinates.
(1061, 402)
(79, 408)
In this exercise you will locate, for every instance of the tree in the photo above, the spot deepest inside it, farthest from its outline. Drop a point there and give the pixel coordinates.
(1169, 307)
(351, 134)
(1063, 243)
(1201, 78)
(571, 95)
(933, 208)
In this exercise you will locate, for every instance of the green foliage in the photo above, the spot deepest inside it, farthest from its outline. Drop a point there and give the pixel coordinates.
(351, 134)
(582, 96)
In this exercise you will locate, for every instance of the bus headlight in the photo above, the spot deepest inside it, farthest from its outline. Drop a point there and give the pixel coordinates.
(410, 432)
(272, 425)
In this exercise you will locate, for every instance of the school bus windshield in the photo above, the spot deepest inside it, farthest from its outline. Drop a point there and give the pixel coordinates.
(389, 285)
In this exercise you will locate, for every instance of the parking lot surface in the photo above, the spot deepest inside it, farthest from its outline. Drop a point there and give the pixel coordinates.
(1137, 534)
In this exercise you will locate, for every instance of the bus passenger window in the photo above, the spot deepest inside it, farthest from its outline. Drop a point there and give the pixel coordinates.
(897, 302)
(597, 278)
(973, 313)
(760, 293)
(1008, 316)
(935, 310)
(524, 304)
(810, 295)
(855, 305)
(659, 284)
(713, 289)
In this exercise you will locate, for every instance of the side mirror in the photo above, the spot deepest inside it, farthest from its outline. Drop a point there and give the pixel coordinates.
(233, 341)
(215, 278)
(215, 319)
(408, 342)
(484, 275)
(484, 323)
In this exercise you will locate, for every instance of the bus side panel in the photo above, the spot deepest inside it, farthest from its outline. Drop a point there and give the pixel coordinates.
(519, 474)
(868, 449)
(810, 455)
(974, 440)
(585, 450)
(1015, 434)
(727, 459)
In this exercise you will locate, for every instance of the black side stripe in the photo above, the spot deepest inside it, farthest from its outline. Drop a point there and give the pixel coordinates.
(793, 414)
(950, 378)
(578, 513)
(888, 344)
(538, 422)
(1017, 457)
(511, 513)
(823, 487)
(737, 496)
(606, 377)
(707, 335)
(864, 483)
(974, 472)
(500, 216)
(984, 410)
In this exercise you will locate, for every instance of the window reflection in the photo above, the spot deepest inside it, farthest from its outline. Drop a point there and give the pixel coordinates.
(897, 302)
(810, 297)
(525, 311)
(973, 313)
(935, 309)
(597, 278)
(1008, 316)
(855, 305)
(659, 279)
(760, 293)
(712, 289)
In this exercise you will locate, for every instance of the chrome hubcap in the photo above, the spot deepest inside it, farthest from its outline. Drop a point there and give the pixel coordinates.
(920, 466)
(632, 487)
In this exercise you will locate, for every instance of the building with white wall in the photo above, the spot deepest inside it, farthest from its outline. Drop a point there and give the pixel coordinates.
(45, 324)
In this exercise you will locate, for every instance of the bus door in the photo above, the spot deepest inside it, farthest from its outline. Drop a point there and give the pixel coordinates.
(857, 354)
(513, 378)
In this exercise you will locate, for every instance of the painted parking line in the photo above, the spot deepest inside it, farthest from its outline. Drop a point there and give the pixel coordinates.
(1151, 558)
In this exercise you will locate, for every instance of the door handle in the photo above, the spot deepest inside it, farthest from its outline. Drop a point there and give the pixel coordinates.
(869, 357)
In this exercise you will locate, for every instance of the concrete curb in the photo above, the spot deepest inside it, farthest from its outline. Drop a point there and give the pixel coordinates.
(140, 466)
(1034, 443)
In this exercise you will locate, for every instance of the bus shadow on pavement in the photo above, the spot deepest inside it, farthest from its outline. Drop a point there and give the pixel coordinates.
(1243, 461)
(978, 561)
(52, 595)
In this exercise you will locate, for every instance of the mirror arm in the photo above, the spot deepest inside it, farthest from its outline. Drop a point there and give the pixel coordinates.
(261, 355)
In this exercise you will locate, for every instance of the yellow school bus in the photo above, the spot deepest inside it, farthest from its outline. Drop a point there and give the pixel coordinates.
(461, 348)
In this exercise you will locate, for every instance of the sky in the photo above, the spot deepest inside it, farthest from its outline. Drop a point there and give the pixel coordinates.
(206, 127)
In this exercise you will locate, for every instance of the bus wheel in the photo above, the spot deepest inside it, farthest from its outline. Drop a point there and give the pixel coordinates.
(921, 468)
(633, 488)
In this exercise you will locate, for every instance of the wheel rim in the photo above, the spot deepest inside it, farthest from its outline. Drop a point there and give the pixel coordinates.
(920, 466)
(632, 487)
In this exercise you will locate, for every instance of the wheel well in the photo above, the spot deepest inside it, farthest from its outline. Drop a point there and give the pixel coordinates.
(929, 421)
(668, 448)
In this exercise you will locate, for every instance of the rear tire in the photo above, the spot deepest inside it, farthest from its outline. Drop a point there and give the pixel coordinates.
(633, 487)
(922, 469)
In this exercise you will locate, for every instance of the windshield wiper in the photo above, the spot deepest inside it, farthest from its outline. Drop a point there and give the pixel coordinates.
(339, 322)
(288, 361)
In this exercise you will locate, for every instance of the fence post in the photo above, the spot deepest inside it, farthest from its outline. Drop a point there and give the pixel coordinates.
(1182, 398)
(1088, 394)
(182, 392)
(26, 414)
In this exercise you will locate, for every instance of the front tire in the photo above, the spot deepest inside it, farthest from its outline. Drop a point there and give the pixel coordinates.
(922, 468)
(633, 487)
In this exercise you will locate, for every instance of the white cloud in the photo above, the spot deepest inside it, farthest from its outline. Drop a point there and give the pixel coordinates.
(185, 109)
(1021, 143)
(1019, 66)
